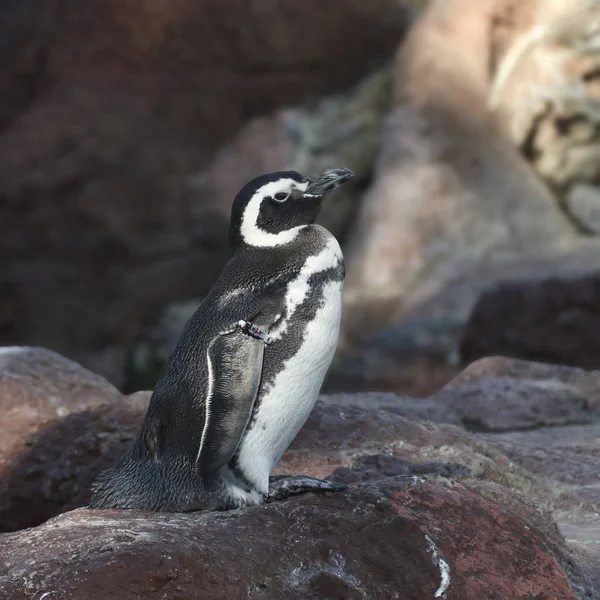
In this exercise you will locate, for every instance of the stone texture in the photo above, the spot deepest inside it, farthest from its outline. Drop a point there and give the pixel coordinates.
(538, 439)
(402, 537)
(448, 190)
(453, 208)
(583, 204)
(42, 380)
(38, 390)
(62, 460)
(497, 394)
(108, 111)
(415, 356)
(546, 90)
(554, 319)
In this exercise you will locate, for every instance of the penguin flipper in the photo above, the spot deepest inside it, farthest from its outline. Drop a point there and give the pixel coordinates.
(235, 369)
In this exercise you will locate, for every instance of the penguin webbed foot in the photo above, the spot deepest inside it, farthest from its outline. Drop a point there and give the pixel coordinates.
(284, 486)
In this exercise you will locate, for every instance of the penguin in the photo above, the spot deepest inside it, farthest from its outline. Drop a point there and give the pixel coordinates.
(248, 367)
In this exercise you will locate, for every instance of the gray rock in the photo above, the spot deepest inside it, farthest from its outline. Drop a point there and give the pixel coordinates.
(583, 204)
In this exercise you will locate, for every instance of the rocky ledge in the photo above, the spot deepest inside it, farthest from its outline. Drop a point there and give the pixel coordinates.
(488, 489)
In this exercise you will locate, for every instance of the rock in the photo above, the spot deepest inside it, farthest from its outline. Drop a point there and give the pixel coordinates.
(546, 89)
(539, 429)
(38, 390)
(56, 471)
(51, 470)
(415, 356)
(453, 208)
(42, 380)
(424, 349)
(583, 204)
(498, 394)
(544, 418)
(450, 542)
(448, 189)
(553, 319)
(106, 115)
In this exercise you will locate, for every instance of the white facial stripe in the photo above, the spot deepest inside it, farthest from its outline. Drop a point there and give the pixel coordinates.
(252, 234)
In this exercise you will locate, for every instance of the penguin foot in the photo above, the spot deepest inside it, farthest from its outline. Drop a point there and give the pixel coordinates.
(283, 486)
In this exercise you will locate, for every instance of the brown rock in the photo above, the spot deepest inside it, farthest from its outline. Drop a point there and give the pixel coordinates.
(415, 356)
(448, 190)
(453, 208)
(107, 111)
(355, 438)
(547, 319)
(546, 89)
(61, 461)
(449, 541)
(42, 380)
(38, 389)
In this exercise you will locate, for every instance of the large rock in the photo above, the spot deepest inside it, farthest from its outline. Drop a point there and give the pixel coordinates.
(546, 90)
(38, 390)
(107, 113)
(534, 431)
(453, 208)
(554, 319)
(403, 537)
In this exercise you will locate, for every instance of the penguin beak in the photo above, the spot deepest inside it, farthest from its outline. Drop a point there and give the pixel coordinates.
(319, 185)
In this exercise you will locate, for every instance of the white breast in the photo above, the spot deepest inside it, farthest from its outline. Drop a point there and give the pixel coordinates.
(288, 402)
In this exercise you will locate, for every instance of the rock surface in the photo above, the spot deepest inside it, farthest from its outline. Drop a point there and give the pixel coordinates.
(553, 319)
(505, 429)
(107, 114)
(546, 90)
(40, 389)
(398, 538)
(453, 208)
(449, 191)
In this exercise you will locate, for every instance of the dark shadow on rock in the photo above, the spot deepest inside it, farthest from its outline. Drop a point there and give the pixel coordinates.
(64, 458)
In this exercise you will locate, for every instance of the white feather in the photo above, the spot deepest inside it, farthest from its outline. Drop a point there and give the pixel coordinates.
(298, 290)
(207, 400)
(252, 234)
(287, 404)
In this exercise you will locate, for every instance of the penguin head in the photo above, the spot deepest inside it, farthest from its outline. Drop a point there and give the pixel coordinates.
(271, 209)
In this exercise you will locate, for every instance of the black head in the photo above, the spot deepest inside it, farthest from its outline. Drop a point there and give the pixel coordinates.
(272, 208)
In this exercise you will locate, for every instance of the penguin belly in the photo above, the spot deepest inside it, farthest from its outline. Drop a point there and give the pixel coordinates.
(285, 404)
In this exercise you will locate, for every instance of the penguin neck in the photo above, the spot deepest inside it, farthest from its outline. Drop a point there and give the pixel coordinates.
(256, 238)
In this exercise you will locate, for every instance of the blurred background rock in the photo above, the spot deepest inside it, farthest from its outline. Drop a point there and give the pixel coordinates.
(471, 228)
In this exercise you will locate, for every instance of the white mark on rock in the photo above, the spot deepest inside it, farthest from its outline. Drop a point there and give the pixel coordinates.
(13, 349)
(444, 568)
(45, 595)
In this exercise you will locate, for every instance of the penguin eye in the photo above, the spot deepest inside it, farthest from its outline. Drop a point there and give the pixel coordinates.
(281, 196)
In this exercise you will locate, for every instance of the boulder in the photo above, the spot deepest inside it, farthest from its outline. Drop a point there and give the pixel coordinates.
(377, 443)
(38, 390)
(107, 114)
(400, 537)
(546, 91)
(553, 319)
(449, 190)
(453, 208)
